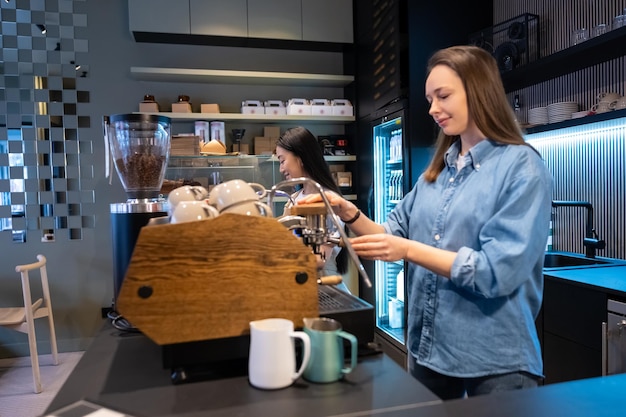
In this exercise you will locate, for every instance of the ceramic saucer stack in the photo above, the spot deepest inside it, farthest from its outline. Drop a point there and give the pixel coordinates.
(538, 116)
(557, 112)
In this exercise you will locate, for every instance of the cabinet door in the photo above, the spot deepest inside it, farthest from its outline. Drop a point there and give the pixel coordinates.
(327, 21)
(275, 19)
(565, 360)
(219, 17)
(158, 16)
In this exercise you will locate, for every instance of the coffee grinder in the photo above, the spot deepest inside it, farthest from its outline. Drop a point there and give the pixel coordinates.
(139, 145)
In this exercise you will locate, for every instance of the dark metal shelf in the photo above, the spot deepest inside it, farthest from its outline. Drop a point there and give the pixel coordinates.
(591, 52)
(615, 114)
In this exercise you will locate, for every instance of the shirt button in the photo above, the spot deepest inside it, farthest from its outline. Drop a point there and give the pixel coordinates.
(451, 180)
(437, 237)
(477, 166)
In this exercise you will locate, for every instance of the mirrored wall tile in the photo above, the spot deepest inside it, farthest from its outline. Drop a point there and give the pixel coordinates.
(33, 223)
(60, 222)
(76, 234)
(18, 223)
(30, 160)
(85, 146)
(16, 173)
(59, 184)
(84, 122)
(73, 184)
(60, 198)
(73, 197)
(75, 222)
(88, 196)
(58, 172)
(47, 222)
(32, 198)
(88, 222)
(73, 172)
(33, 210)
(74, 209)
(61, 209)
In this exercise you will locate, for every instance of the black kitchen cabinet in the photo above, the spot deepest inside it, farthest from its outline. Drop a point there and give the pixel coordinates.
(572, 319)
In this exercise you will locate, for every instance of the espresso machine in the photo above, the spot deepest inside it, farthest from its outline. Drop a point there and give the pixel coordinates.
(139, 147)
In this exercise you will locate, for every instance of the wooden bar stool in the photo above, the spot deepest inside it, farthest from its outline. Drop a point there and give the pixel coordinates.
(22, 319)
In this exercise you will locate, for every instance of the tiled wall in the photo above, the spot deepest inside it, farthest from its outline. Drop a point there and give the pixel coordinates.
(587, 161)
(45, 154)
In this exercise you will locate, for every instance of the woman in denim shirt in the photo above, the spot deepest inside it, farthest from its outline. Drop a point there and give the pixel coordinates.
(473, 230)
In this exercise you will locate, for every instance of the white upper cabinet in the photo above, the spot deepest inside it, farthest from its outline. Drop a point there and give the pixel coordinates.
(327, 21)
(158, 16)
(219, 17)
(275, 19)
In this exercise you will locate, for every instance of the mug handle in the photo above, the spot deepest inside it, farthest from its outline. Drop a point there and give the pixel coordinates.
(353, 351)
(260, 190)
(306, 355)
(200, 193)
(212, 211)
(268, 209)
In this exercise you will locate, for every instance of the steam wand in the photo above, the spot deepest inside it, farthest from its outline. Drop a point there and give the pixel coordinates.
(344, 237)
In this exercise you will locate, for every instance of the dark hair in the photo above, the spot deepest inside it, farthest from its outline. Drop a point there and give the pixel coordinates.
(302, 143)
(486, 100)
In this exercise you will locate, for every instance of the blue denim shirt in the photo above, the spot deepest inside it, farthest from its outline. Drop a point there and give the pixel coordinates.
(495, 214)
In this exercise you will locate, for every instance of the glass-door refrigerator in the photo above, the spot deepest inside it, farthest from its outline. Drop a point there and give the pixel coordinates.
(389, 185)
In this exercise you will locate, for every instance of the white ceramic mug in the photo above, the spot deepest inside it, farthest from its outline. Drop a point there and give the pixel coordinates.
(232, 192)
(189, 211)
(250, 208)
(602, 107)
(608, 97)
(186, 193)
(620, 104)
(272, 360)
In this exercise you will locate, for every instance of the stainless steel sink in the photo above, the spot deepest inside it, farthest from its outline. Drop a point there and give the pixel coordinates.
(572, 260)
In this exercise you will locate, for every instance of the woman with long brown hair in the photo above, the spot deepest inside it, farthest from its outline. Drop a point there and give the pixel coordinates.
(473, 230)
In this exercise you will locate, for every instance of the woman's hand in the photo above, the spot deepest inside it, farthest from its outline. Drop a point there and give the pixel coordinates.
(380, 247)
(339, 204)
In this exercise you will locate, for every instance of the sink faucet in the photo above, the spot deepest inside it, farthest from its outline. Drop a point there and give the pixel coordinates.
(591, 241)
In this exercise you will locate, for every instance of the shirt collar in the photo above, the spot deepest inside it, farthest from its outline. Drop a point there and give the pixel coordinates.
(476, 154)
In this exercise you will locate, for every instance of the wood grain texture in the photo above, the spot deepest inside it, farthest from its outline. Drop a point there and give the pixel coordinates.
(208, 279)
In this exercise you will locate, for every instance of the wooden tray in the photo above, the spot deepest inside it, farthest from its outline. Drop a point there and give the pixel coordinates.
(208, 279)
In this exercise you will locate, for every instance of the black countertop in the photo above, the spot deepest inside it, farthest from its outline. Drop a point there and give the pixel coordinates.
(610, 279)
(123, 372)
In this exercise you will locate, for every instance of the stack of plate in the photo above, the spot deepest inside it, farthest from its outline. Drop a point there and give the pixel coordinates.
(538, 116)
(557, 112)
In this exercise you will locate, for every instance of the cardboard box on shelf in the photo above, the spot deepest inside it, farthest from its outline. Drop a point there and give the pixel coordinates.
(242, 148)
(264, 145)
(344, 179)
(209, 108)
(271, 132)
(185, 144)
(148, 106)
(337, 167)
(181, 107)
